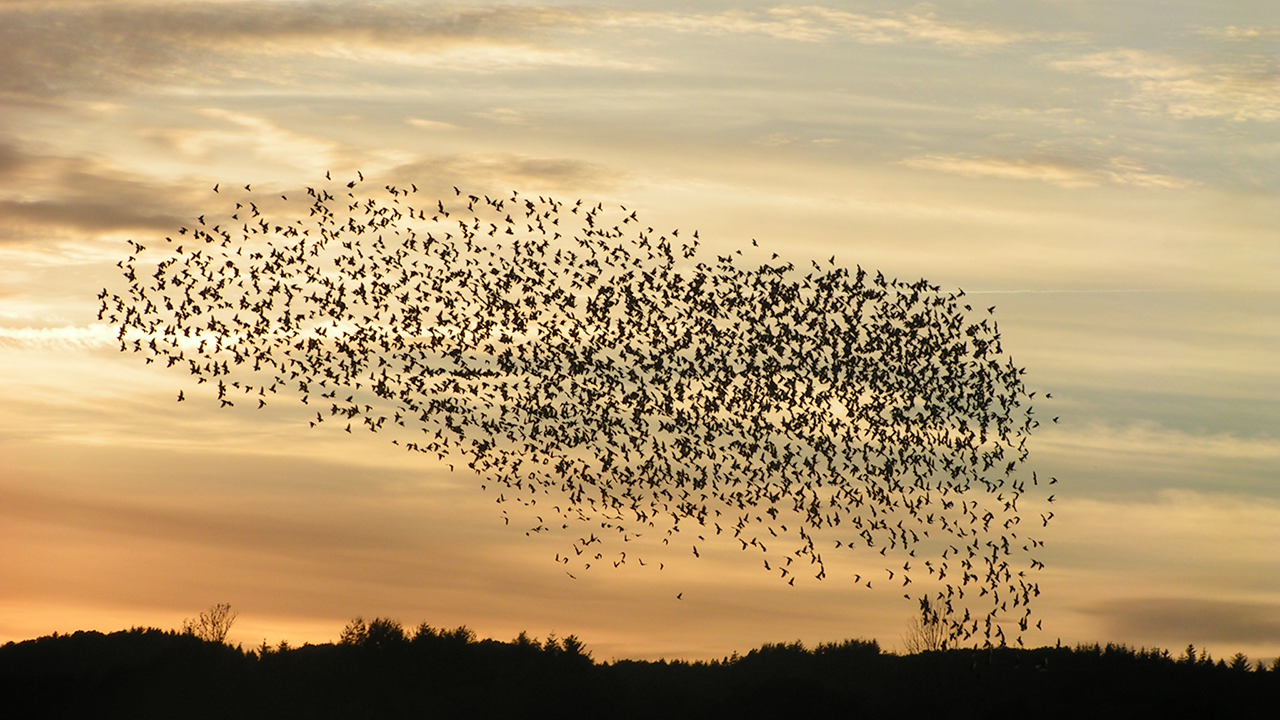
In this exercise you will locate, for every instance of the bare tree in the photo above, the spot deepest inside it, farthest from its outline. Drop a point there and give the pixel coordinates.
(925, 631)
(211, 625)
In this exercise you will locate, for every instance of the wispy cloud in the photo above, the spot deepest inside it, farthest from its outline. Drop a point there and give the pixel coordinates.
(1248, 89)
(1181, 567)
(1248, 32)
(241, 132)
(774, 140)
(504, 116)
(67, 336)
(812, 23)
(506, 171)
(1126, 171)
(49, 49)
(431, 124)
(1008, 169)
(80, 214)
(39, 192)
(1118, 170)
(1190, 619)
(1158, 444)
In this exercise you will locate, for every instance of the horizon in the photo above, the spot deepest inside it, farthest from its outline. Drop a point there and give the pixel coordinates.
(359, 625)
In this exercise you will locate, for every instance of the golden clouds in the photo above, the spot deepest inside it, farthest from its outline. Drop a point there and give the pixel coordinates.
(1182, 567)
(507, 170)
(42, 193)
(53, 49)
(1118, 170)
(1171, 621)
(1047, 171)
(1244, 89)
(812, 23)
(67, 336)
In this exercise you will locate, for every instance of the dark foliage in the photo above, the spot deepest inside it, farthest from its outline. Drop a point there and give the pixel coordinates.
(380, 671)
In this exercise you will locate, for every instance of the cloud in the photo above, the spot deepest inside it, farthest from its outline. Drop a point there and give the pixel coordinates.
(504, 171)
(1178, 539)
(1008, 169)
(816, 24)
(476, 56)
(266, 140)
(431, 124)
(1177, 620)
(774, 140)
(68, 336)
(50, 49)
(194, 524)
(1126, 171)
(1183, 567)
(11, 160)
(53, 199)
(40, 193)
(78, 214)
(1119, 170)
(504, 116)
(1247, 89)
(47, 50)
(1153, 445)
(1232, 32)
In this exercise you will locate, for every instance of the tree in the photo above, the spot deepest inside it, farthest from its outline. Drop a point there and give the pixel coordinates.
(355, 632)
(379, 632)
(211, 625)
(925, 631)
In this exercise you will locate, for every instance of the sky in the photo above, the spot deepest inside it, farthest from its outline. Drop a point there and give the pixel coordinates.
(1106, 174)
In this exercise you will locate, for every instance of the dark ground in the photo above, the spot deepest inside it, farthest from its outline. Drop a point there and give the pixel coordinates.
(383, 672)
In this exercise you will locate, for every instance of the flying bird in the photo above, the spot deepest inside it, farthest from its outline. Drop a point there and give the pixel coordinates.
(578, 356)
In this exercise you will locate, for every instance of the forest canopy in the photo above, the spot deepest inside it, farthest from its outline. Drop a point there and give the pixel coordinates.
(380, 670)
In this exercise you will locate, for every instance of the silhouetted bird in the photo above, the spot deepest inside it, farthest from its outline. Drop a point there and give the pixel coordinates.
(578, 359)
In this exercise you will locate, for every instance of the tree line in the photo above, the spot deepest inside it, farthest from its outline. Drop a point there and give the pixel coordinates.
(378, 669)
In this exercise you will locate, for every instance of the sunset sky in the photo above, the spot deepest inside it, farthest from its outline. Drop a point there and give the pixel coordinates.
(1107, 174)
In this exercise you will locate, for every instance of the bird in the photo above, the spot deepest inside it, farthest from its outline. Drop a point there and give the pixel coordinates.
(579, 356)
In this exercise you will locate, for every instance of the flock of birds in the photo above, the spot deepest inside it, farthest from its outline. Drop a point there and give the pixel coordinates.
(573, 355)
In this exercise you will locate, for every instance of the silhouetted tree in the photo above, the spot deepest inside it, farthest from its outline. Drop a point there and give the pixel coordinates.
(379, 632)
(378, 673)
(211, 625)
(355, 632)
(925, 631)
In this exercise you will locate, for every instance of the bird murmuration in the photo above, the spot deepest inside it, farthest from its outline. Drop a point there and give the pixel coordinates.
(572, 354)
